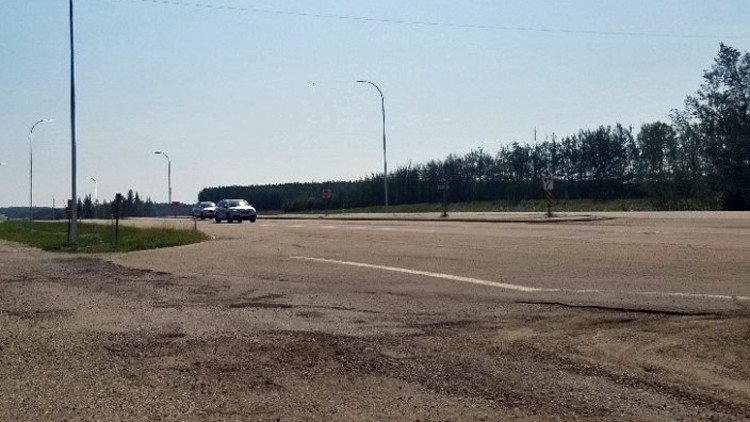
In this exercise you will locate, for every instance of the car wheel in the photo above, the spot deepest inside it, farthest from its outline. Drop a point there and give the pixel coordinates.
(203, 217)
(239, 220)
(217, 219)
(229, 218)
(252, 219)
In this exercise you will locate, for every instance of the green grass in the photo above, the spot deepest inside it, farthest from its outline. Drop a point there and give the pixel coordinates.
(53, 236)
(560, 205)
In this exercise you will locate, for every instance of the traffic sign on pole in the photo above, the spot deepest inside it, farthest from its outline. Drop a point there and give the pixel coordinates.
(548, 182)
(548, 185)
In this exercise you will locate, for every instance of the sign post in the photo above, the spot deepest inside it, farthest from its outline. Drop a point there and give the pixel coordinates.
(175, 205)
(326, 195)
(548, 186)
(444, 188)
(69, 213)
(118, 201)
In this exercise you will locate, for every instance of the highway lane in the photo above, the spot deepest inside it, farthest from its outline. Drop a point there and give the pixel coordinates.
(676, 262)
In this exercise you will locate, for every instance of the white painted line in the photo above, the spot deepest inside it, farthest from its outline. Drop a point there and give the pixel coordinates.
(361, 228)
(508, 286)
(429, 274)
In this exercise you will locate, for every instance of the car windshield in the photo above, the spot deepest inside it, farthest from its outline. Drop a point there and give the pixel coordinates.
(237, 203)
(207, 204)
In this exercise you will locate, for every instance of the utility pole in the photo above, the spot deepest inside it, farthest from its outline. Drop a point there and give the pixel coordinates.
(73, 238)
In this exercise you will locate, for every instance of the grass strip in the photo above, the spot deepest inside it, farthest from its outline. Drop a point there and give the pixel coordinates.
(538, 205)
(95, 238)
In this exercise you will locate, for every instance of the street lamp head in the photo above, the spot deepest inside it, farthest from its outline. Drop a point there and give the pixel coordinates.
(375, 86)
(157, 152)
(31, 131)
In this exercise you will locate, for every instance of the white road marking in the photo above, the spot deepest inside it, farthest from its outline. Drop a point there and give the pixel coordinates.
(361, 228)
(430, 274)
(508, 286)
(402, 229)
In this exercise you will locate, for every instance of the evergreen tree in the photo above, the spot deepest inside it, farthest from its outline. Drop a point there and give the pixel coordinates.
(87, 210)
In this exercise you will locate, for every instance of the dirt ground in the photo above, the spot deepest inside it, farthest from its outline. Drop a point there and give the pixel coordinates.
(83, 338)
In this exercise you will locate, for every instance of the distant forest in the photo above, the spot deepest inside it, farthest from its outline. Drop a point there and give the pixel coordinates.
(698, 160)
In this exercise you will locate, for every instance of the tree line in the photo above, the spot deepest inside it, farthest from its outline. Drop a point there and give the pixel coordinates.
(131, 205)
(700, 159)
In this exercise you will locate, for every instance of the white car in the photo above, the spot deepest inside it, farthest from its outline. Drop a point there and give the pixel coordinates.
(204, 209)
(234, 210)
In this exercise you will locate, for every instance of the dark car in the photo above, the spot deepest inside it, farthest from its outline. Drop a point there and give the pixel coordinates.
(234, 210)
(204, 209)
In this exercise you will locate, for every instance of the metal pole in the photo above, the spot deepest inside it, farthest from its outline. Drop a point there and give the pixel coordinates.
(31, 163)
(385, 161)
(169, 185)
(169, 174)
(73, 239)
(31, 171)
(96, 190)
(118, 201)
(169, 178)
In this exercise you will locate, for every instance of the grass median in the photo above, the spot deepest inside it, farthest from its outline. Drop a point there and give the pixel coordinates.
(95, 238)
(532, 205)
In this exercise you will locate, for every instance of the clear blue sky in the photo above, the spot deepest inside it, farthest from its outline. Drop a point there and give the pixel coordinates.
(263, 92)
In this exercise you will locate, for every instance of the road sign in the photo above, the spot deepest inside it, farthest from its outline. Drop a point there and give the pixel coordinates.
(326, 194)
(548, 182)
(175, 204)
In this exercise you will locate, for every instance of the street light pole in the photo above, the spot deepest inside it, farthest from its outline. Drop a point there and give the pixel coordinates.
(31, 163)
(169, 173)
(385, 161)
(73, 235)
(96, 190)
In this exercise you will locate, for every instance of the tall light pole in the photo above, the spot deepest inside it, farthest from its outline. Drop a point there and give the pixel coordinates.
(169, 173)
(73, 236)
(31, 163)
(96, 189)
(385, 161)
